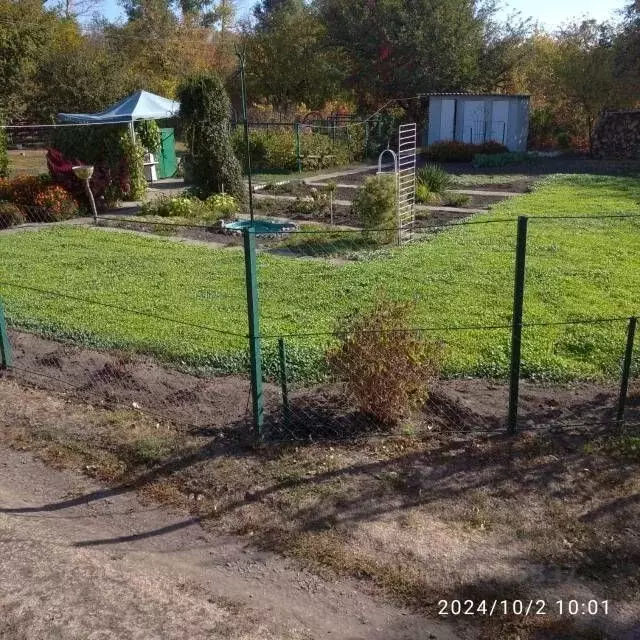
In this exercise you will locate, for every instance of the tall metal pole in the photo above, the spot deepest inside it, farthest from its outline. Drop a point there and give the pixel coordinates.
(516, 328)
(242, 58)
(626, 370)
(255, 346)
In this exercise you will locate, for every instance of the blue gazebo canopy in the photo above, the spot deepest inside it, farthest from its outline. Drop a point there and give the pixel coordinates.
(140, 105)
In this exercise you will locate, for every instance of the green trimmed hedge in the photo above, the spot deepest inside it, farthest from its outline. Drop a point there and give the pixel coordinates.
(275, 150)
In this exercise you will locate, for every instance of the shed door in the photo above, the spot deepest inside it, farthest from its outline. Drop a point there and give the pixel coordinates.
(474, 122)
(447, 120)
(167, 163)
(499, 121)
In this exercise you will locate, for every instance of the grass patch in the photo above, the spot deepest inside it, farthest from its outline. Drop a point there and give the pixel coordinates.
(30, 162)
(464, 276)
(481, 179)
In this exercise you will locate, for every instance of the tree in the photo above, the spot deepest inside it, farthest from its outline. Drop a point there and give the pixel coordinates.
(502, 50)
(75, 8)
(25, 28)
(405, 48)
(209, 13)
(204, 112)
(627, 50)
(288, 60)
(585, 71)
(149, 42)
(265, 8)
(149, 10)
(89, 76)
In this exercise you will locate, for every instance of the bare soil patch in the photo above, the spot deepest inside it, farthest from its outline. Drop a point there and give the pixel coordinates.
(124, 379)
(450, 517)
(451, 508)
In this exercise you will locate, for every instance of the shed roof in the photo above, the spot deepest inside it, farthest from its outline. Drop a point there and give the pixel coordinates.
(462, 94)
(140, 105)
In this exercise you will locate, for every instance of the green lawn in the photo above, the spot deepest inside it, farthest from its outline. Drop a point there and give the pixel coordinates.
(464, 276)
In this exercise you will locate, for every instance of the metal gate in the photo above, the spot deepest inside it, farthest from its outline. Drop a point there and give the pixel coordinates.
(407, 140)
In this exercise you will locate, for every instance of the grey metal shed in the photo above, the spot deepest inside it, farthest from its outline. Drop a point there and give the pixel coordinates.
(478, 118)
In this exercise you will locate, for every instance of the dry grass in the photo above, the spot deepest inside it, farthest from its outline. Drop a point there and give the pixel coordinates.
(27, 162)
(538, 516)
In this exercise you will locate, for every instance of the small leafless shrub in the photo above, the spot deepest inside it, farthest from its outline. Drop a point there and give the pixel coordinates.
(387, 366)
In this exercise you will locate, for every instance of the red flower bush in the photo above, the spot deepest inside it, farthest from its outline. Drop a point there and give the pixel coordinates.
(37, 199)
(53, 203)
(61, 171)
(23, 190)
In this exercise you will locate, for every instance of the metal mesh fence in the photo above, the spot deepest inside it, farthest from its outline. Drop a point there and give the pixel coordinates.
(173, 336)
(571, 367)
(152, 333)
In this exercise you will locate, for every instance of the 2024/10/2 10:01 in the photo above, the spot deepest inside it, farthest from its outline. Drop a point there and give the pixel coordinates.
(522, 607)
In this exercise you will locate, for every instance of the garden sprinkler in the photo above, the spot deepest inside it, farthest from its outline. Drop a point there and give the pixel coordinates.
(84, 173)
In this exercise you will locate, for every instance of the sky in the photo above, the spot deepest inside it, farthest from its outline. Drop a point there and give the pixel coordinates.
(549, 13)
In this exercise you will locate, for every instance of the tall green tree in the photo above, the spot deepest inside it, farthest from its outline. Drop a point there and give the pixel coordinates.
(25, 30)
(205, 113)
(149, 42)
(84, 77)
(397, 48)
(289, 61)
(627, 55)
(585, 72)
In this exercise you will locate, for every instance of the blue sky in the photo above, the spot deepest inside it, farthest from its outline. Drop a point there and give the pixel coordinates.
(550, 13)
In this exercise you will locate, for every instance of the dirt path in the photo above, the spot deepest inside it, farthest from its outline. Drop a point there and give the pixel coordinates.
(79, 561)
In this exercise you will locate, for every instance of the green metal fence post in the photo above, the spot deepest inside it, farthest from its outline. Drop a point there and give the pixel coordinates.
(626, 370)
(298, 156)
(253, 312)
(6, 357)
(516, 323)
(282, 351)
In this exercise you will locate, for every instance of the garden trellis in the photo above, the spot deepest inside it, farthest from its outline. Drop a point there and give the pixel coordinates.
(407, 140)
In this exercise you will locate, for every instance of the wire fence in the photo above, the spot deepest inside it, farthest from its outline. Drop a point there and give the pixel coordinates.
(315, 144)
(249, 341)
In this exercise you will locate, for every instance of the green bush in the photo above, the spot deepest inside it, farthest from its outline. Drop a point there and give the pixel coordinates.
(435, 178)
(375, 207)
(149, 135)
(387, 368)
(424, 195)
(275, 150)
(213, 208)
(456, 199)
(501, 159)
(133, 154)
(222, 203)
(110, 146)
(10, 215)
(4, 158)
(211, 162)
(456, 151)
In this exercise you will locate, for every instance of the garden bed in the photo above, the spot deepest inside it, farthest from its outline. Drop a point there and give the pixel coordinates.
(122, 379)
